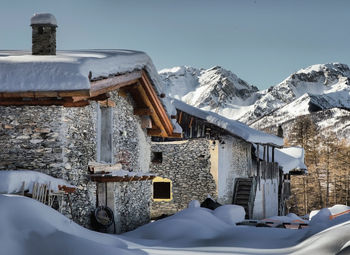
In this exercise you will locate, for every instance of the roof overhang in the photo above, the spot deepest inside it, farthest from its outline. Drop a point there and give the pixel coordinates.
(136, 83)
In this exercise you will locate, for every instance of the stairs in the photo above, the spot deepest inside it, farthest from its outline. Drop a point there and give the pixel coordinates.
(244, 194)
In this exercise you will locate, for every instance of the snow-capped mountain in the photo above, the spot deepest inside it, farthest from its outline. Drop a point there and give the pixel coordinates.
(214, 89)
(322, 91)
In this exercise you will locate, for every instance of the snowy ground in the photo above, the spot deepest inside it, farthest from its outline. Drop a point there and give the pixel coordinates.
(29, 227)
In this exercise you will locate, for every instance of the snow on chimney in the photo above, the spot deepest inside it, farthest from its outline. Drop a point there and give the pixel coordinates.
(43, 34)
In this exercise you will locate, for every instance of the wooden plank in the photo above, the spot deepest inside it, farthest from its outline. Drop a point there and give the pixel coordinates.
(44, 102)
(95, 167)
(66, 189)
(157, 105)
(101, 194)
(107, 103)
(146, 122)
(41, 94)
(110, 198)
(191, 121)
(113, 83)
(155, 116)
(176, 135)
(109, 178)
(155, 132)
(180, 118)
(143, 111)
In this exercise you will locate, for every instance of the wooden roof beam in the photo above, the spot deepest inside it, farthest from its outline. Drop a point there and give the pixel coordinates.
(143, 111)
(42, 102)
(157, 105)
(112, 83)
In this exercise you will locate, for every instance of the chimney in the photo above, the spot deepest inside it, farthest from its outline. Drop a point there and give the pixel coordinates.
(43, 34)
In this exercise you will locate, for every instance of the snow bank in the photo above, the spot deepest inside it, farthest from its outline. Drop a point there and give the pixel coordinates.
(11, 181)
(182, 228)
(231, 214)
(232, 126)
(28, 227)
(194, 204)
(289, 218)
(333, 211)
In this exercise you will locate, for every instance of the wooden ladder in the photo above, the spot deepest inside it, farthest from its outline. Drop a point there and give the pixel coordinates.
(244, 194)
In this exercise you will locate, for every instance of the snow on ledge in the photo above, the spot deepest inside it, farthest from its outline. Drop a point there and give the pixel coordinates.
(43, 18)
(291, 158)
(11, 181)
(232, 126)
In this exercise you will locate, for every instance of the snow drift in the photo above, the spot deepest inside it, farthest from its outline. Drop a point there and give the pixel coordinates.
(28, 227)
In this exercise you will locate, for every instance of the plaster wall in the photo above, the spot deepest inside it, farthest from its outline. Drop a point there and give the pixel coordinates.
(234, 162)
(266, 199)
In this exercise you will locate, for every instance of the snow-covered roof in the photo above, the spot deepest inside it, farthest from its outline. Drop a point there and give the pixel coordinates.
(232, 126)
(20, 71)
(43, 18)
(291, 158)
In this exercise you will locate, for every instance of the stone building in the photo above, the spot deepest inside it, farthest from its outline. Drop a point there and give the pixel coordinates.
(225, 159)
(60, 112)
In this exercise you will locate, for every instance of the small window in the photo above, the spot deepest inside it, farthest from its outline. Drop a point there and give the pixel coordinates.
(157, 157)
(162, 189)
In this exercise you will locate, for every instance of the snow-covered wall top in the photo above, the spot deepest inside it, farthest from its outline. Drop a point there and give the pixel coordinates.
(43, 18)
(289, 159)
(232, 126)
(12, 181)
(68, 70)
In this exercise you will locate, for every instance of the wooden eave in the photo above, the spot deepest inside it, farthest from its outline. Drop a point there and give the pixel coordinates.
(109, 178)
(136, 83)
(212, 127)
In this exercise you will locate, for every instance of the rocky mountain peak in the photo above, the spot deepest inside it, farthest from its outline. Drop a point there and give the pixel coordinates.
(213, 87)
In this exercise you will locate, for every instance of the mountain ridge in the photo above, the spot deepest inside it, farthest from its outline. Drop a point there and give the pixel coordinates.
(310, 90)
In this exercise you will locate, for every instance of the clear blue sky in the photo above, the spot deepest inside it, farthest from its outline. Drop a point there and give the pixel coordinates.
(262, 41)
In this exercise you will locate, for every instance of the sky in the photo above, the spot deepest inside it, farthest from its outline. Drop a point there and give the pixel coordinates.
(261, 41)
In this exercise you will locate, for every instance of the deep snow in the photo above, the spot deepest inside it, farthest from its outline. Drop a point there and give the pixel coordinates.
(29, 227)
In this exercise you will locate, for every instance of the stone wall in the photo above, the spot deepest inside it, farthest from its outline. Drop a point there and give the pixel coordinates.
(187, 165)
(30, 138)
(132, 148)
(61, 141)
(54, 140)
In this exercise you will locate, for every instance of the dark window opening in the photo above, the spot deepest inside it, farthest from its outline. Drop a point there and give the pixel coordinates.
(161, 190)
(157, 157)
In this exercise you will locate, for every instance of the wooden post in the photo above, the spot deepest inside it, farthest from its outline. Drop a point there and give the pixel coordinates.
(273, 154)
(267, 153)
(264, 200)
(101, 194)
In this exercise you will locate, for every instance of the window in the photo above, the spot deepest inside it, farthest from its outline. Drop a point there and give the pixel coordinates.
(157, 157)
(162, 189)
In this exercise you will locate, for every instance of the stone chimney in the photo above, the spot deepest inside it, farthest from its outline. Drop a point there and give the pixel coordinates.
(43, 34)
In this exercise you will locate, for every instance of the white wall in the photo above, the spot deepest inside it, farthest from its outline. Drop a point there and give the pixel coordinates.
(234, 161)
(266, 199)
